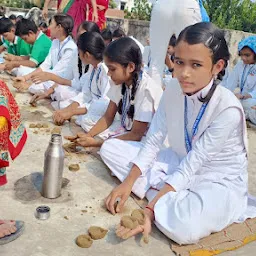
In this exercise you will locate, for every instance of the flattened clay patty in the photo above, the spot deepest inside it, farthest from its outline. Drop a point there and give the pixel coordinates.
(74, 167)
(97, 232)
(84, 241)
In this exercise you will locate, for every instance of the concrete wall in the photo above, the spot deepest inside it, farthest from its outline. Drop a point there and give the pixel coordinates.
(140, 30)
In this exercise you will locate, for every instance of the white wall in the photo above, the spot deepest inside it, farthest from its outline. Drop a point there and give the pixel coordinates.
(129, 4)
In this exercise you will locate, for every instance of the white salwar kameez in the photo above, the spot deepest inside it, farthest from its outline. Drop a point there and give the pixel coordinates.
(210, 181)
(93, 87)
(234, 80)
(146, 102)
(62, 61)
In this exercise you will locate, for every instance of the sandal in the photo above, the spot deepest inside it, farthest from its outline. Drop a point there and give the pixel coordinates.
(20, 225)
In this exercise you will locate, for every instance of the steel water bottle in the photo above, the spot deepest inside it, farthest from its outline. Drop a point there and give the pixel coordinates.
(53, 168)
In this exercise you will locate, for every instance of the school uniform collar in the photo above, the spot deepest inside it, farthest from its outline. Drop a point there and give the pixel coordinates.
(39, 35)
(201, 93)
(66, 40)
(15, 41)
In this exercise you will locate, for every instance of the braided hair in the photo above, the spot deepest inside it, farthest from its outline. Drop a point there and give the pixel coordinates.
(124, 51)
(88, 26)
(213, 38)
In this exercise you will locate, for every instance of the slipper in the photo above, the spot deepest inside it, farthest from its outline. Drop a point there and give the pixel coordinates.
(20, 225)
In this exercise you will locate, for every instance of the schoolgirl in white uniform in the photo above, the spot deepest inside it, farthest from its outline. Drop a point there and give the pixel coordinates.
(61, 60)
(133, 95)
(92, 86)
(200, 182)
(243, 75)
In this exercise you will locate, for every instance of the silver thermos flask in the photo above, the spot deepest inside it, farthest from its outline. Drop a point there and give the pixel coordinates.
(53, 168)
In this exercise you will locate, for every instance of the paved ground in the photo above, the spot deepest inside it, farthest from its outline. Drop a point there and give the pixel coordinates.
(85, 191)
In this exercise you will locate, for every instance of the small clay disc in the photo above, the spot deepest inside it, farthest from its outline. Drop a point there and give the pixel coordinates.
(39, 125)
(97, 232)
(139, 215)
(84, 241)
(45, 125)
(74, 167)
(32, 126)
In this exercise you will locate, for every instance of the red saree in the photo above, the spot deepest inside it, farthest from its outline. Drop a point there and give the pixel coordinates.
(12, 133)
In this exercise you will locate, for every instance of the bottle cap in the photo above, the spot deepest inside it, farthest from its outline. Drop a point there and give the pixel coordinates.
(42, 212)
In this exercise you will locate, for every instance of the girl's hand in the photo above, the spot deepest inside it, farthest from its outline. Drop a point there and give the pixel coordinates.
(123, 192)
(85, 140)
(9, 57)
(253, 107)
(95, 17)
(146, 229)
(9, 66)
(20, 79)
(239, 96)
(40, 77)
(37, 97)
(247, 96)
(45, 13)
(59, 117)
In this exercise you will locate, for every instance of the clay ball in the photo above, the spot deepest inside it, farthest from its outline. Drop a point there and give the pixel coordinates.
(84, 241)
(139, 215)
(129, 222)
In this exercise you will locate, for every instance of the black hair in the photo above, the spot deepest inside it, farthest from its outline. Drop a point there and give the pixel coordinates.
(172, 41)
(43, 25)
(12, 17)
(125, 51)
(19, 17)
(239, 53)
(107, 34)
(2, 10)
(93, 43)
(66, 21)
(6, 25)
(118, 33)
(24, 26)
(89, 26)
(213, 38)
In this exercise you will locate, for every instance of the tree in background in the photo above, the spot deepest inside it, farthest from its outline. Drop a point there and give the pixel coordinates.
(232, 14)
(141, 10)
(112, 4)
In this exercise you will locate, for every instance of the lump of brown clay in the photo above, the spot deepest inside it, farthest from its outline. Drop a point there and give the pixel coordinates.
(139, 215)
(97, 232)
(39, 125)
(74, 167)
(32, 126)
(129, 222)
(45, 126)
(70, 147)
(56, 130)
(84, 241)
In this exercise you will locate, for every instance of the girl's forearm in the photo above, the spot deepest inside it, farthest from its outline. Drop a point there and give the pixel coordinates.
(100, 126)
(131, 136)
(58, 79)
(166, 189)
(28, 76)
